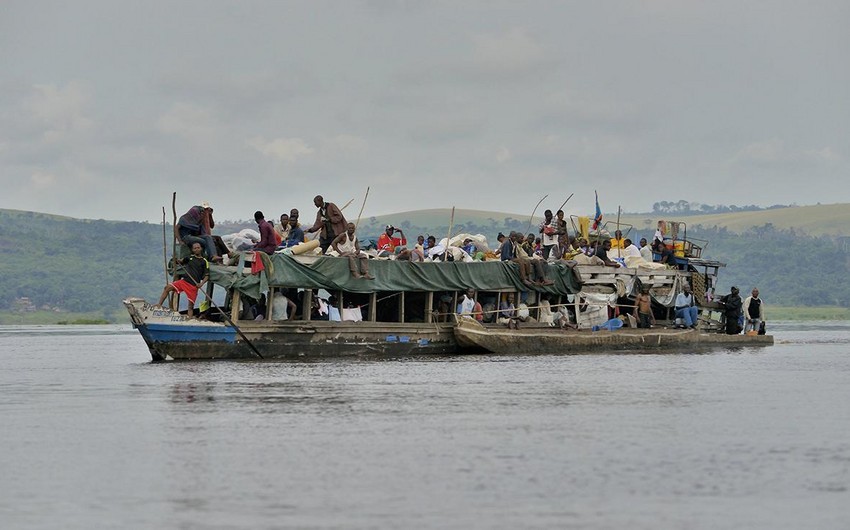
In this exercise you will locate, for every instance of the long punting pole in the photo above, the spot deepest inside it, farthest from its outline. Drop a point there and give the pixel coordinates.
(346, 204)
(535, 211)
(227, 318)
(357, 224)
(174, 243)
(451, 225)
(565, 202)
(567, 233)
(164, 251)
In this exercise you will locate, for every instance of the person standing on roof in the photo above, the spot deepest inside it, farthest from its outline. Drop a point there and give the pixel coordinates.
(549, 233)
(329, 222)
(268, 243)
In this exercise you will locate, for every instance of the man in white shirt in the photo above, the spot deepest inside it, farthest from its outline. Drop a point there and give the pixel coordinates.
(645, 250)
(685, 308)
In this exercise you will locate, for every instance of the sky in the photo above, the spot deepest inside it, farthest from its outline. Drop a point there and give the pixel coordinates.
(107, 107)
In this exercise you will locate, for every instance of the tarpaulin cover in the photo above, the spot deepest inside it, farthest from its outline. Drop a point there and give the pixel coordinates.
(332, 274)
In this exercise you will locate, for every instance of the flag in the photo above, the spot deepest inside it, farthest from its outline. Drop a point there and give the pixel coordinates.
(597, 219)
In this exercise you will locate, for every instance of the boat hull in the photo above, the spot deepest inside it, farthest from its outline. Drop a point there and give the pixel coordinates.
(471, 334)
(172, 336)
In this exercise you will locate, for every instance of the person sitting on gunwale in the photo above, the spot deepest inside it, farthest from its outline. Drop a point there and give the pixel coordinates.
(470, 306)
(347, 246)
(267, 243)
(685, 308)
(196, 274)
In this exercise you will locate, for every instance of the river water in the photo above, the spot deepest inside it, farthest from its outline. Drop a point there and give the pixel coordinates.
(96, 436)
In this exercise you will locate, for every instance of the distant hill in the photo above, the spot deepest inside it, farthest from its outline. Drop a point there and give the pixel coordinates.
(818, 220)
(794, 255)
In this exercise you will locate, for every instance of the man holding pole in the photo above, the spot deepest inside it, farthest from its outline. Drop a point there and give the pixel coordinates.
(194, 266)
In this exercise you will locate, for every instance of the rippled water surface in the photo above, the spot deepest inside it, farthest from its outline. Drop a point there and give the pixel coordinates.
(95, 436)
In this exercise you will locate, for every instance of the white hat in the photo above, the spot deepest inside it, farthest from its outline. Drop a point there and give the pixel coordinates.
(205, 205)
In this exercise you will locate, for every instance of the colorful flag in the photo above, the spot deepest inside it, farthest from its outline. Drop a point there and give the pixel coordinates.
(597, 219)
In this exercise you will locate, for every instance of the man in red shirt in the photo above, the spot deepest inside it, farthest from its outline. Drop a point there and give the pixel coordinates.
(387, 243)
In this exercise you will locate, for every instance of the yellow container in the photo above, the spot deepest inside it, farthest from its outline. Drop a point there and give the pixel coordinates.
(679, 249)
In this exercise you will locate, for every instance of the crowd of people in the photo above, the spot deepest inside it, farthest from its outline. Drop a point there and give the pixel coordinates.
(551, 242)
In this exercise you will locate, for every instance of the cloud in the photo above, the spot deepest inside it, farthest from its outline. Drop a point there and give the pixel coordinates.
(344, 145)
(503, 155)
(60, 110)
(43, 180)
(285, 149)
(511, 51)
(188, 121)
(775, 153)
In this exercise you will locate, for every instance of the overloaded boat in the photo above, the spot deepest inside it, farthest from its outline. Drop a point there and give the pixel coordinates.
(302, 306)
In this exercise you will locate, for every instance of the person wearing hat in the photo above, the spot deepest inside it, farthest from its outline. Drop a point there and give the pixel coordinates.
(195, 226)
(387, 243)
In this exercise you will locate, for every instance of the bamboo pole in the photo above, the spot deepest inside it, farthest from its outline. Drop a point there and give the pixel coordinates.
(357, 224)
(173, 246)
(530, 219)
(451, 225)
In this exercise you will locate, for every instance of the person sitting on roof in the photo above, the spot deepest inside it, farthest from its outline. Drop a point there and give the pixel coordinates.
(267, 243)
(667, 257)
(195, 226)
(282, 230)
(296, 233)
(602, 253)
(527, 244)
(617, 241)
(645, 250)
(347, 246)
(387, 244)
(513, 251)
(630, 249)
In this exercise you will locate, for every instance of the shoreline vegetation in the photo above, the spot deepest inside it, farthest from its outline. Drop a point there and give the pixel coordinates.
(119, 316)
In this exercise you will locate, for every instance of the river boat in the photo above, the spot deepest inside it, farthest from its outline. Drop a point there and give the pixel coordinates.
(538, 339)
(409, 309)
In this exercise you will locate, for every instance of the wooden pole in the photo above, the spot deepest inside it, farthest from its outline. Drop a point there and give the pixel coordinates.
(346, 204)
(174, 246)
(164, 251)
(530, 219)
(357, 224)
(451, 225)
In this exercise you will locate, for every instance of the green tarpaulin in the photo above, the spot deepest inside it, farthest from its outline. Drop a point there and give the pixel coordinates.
(332, 274)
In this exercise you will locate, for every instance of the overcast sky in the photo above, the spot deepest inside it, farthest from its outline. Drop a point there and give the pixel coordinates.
(108, 106)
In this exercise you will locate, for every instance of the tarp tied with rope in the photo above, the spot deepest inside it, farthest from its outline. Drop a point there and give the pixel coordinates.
(332, 274)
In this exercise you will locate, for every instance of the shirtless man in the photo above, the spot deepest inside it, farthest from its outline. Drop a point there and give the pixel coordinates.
(643, 310)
